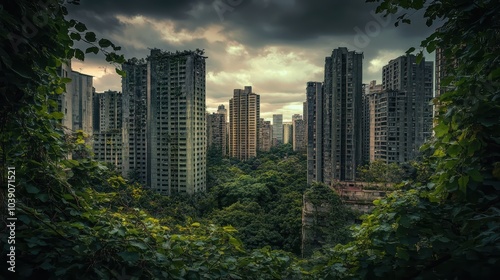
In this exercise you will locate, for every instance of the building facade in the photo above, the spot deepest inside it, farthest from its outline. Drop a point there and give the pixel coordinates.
(244, 115)
(342, 126)
(314, 130)
(76, 102)
(299, 135)
(265, 135)
(402, 110)
(278, 128)
(334, 119)
(164, 124)
(371, 91)
(107, 136)
(65, 99)
(216, 132)
(82, 91)
(134, 119)
(287, 133)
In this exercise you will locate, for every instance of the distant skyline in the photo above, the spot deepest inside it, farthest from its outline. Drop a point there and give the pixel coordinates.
(275, 46)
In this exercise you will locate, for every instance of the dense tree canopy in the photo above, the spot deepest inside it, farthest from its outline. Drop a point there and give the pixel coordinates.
(381, 172)
(78, 219)
(75, 218)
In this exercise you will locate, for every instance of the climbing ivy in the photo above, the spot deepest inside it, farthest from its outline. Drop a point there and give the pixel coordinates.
(75, 217)
(448, 226)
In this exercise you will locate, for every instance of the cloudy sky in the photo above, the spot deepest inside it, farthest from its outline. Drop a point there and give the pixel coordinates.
(275, 46)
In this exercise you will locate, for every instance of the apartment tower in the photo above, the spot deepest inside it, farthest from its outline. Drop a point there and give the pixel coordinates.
(216, 132)
(265, 135)
(403, 110)
(314, 130)
(164, 121)
(244, 115)
(278, 128)
(342, 115)
(107, 137)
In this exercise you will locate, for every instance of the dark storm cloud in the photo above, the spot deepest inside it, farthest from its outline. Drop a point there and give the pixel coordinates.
(250, 42)
(254, 22)
(174, 9)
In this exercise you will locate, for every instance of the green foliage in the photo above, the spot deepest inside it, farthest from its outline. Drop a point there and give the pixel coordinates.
(381, 172)
(333, 226)
(77, 218)
(261, 197)
(446, 226)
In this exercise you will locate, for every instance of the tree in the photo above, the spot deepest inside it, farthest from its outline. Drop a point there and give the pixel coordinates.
(448, 227)
(381, 172)
(76, 218)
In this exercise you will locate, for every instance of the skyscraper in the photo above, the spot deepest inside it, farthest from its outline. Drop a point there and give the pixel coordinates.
(134, 106)
(334, 119)
(244, 115)
(371, 91)
(222, 110)
(265, 135)
(107, 136)
(287, 133)
(82, 91)
(216, 132)
(342, 114)
(403, 114)
(314, 131)
(278, 128)
(164, 121)
(65, 99)
(299, 135)
(77, 101)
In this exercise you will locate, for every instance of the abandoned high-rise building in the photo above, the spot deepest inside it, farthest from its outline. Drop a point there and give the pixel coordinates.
(369, 131)
(82, 91)
(265, 135)
(76, 102)
(107, 136)
(402, 110)
(314, 130)
(244, 115)
(342, 114)
(287, 132)
(164, 125)
(134, 110)
(299, 135)
(216, 132)
(334, 119)
(278, 128)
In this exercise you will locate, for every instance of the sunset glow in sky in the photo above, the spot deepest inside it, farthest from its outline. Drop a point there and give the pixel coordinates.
(275, 46)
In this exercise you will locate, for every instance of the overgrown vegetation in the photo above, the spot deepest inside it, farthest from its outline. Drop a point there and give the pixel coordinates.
(76, 219)
(446, 226)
